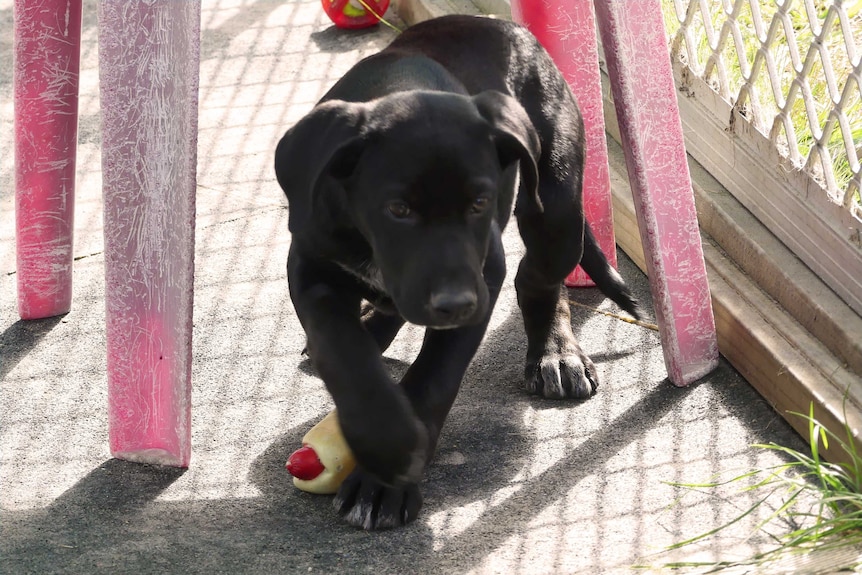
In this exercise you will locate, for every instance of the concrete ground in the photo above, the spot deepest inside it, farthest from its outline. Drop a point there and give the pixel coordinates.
(520, 485)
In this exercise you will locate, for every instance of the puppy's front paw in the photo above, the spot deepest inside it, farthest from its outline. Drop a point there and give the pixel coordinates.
(562, 373)
(391, 445)
(365, 502)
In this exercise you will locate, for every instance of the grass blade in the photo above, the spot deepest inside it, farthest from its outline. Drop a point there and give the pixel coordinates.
(831, 492)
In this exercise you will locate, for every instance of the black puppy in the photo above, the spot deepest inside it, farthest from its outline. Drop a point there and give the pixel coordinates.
(399, 183)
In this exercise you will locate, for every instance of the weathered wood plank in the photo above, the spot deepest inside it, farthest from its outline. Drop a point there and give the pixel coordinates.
(784, 198)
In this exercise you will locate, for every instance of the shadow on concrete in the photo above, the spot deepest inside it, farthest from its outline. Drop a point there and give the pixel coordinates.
(336, 40)
(20, 338)
(114, 518)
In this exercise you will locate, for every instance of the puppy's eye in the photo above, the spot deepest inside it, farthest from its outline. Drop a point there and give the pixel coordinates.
(399, 209)
(479, 205)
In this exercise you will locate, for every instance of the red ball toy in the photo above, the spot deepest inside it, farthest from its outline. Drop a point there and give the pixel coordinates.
(352, 15)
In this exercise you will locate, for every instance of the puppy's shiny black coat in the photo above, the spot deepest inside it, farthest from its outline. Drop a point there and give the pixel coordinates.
(399, 183)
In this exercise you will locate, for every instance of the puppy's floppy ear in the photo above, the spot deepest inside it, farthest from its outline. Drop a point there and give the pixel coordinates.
(516, 138)
(314, 155)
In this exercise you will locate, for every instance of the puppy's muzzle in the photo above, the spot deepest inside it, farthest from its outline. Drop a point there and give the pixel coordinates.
(452, 308)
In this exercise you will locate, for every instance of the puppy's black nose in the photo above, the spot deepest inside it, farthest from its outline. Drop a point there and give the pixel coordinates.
(453, 307)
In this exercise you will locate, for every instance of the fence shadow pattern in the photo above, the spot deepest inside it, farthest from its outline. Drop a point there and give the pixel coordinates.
(520, 485)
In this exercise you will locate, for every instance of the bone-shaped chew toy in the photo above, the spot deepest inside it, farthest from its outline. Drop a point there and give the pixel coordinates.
(324, 461)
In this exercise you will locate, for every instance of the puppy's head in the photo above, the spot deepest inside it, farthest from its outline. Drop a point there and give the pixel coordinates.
(425, 177)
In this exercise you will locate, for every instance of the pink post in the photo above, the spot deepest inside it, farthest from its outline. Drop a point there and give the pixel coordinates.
(567, 30)
(635, 47)
(149, 56)
(47, 54)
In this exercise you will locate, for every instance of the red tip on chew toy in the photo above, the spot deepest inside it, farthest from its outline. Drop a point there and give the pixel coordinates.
(304, 463)
(352, 14)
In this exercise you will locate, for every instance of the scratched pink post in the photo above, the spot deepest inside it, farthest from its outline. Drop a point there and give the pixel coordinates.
(148, 62)
(567, 31)
(47, 44)
(636, 52)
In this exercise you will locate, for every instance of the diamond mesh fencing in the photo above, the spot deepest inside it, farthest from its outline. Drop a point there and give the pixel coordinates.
(792, 69)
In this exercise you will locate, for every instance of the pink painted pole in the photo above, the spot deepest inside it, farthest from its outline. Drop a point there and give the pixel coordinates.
(47, 42)
(635, 45)
(149, 56)
(567, 30)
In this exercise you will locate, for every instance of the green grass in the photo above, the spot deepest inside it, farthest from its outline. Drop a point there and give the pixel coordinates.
(833, 521)
(726, 74)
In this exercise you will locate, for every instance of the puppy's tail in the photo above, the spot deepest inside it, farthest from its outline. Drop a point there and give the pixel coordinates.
(605, 276)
